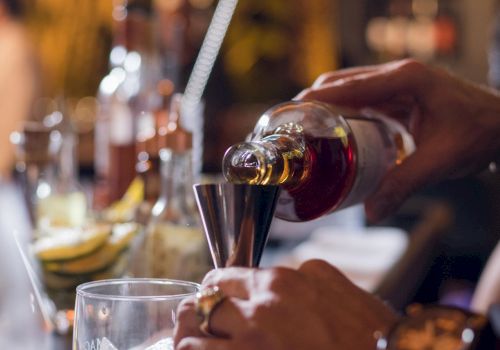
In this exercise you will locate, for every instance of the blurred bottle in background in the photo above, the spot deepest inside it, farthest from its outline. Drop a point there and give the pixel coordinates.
(148, 144)
(66, 202)
(126, 92)
(35, 152)
(174, 245)
(48, 170)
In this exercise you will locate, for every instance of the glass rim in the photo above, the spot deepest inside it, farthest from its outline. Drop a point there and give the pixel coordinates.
(81, 290)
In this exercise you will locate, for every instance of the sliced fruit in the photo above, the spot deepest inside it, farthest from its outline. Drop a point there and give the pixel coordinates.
(56, 282)
(124, 209)
(71, 243)
(118, 269)
(102, 258)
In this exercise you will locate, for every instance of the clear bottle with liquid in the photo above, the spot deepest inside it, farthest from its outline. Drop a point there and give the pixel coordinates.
(174, 244)
(325, 158)
(148, 145)
(46, 161)
(61, 201)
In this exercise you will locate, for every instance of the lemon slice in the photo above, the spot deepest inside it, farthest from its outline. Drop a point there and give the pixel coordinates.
(124, 209)
(100, 259)
(70, 243)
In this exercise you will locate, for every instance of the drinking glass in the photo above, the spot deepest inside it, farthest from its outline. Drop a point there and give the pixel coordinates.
(128, 314)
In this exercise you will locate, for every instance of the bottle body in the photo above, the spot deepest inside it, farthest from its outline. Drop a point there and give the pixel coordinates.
(61, 198)
(324, 158)
(174, 245)
(148, 145)
(124, 94)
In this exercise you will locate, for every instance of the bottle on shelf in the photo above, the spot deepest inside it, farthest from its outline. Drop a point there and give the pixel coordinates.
(325, 158)
(66, 204)
(147, 167)
(35, 152)
(47, 155)
(124, 93)
(174, 245)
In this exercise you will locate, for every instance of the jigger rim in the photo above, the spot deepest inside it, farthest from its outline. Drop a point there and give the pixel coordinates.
(84, 290)
(230, 184)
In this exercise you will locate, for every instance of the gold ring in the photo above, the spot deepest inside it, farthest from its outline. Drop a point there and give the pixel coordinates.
(207, 301)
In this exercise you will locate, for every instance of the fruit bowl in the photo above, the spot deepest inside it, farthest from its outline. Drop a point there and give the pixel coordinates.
(69, 256)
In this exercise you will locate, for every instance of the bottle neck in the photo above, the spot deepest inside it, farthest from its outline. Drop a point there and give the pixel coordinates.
(176, 183)
(277, 159)
(67, 163)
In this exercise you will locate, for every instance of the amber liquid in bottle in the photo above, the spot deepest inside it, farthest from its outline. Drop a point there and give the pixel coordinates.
(332, 169)
(121, 170)
(323, 160)
(313, 182)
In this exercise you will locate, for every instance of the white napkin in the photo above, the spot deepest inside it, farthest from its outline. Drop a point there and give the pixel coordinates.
(364, 255)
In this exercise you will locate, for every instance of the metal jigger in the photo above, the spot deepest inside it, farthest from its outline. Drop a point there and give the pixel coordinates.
(236, 220)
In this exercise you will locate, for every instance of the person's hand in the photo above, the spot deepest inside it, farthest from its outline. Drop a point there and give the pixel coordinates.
(314, 307)
(455, 123)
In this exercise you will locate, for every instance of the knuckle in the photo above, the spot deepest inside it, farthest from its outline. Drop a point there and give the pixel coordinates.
(185, 309)
(305, 94)
(411, 64)
(323, 78)
(281, 278)
(413, 67)
(210, 277)
(318, 264)
(320, 267)
(260, 310)
(186, 305)
(184, 344)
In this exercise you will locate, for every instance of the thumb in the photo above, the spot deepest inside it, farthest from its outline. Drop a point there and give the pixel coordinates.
(423, 167)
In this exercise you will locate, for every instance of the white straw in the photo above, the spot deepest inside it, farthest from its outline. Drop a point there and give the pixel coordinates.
(207, 55)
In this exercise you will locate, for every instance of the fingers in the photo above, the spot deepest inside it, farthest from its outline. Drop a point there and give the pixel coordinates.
(193, 343)
(227, 318)
(225, 321)
(373, 86)
(233, 281)
(427, 165)
(330, 77)
(188, 321)
(322, 270)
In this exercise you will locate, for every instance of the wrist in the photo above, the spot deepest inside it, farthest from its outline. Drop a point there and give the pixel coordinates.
(438, 327)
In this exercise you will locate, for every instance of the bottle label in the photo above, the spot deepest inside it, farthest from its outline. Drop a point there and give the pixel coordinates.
(374, 155)
(121, 125)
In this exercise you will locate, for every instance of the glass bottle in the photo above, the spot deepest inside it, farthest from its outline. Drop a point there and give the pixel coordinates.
(36, 147)
(175, 246)
(123, 94)
(325, 158)
(66, 203)
(147, 167)
(114, 158)
(47, 160)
